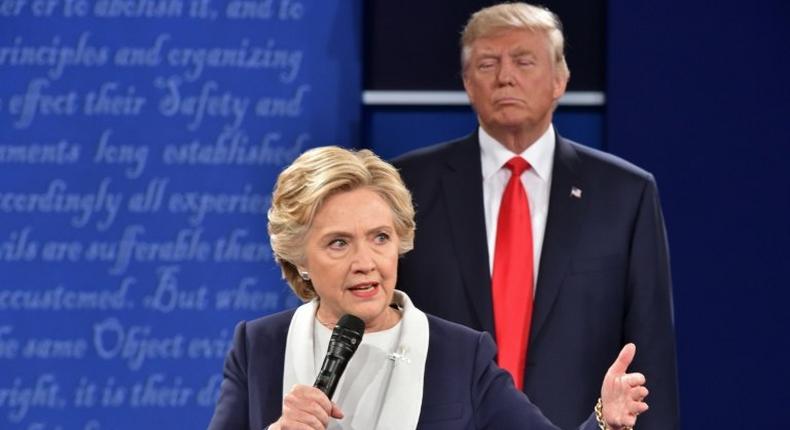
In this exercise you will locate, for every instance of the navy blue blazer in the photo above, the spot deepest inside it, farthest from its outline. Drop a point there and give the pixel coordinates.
(463, 389)
(603, 278)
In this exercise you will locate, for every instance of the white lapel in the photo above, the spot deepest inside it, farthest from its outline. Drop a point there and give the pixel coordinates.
(299, 365)
(403, 399)
(403, 402)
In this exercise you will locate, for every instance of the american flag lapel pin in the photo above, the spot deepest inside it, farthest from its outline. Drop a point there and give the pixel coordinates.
(576, 192)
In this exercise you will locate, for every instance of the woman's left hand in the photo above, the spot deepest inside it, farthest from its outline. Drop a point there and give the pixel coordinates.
(623, 394)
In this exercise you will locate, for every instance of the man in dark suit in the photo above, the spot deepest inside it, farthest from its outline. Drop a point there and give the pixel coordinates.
(597, 265)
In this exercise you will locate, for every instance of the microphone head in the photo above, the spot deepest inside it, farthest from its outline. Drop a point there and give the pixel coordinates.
(346, 336)
(352, 323)
(345, 339)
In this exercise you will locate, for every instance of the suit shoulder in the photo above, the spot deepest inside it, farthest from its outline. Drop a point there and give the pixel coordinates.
(452, 332)
(458, 346)
(599, 162)
(428, 155)
(270, 326)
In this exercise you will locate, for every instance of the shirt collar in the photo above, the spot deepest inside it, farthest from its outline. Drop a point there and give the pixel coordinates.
(539, 155)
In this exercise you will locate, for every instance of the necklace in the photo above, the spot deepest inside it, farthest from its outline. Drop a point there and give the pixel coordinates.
(397, 313)
(325, 324)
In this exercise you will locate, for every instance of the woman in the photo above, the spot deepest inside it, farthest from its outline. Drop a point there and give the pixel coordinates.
(338, 223)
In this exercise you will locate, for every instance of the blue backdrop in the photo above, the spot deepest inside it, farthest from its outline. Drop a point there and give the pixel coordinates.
(139, 142)
(698, 94)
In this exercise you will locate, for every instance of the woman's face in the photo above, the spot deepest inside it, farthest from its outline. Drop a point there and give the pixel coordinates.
(351, 255)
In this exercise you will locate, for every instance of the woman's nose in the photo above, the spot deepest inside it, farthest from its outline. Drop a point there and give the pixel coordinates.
(363, 260)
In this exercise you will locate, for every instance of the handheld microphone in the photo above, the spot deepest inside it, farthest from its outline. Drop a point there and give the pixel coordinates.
(345, 339)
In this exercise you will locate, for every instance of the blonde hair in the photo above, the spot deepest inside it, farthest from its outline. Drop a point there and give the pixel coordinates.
(316, 175)
(515, 16)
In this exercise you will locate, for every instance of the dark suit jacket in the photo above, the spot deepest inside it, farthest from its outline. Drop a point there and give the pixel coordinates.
(463, 387)
(603, 278)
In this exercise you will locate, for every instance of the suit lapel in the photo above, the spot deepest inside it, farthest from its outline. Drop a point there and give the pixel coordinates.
(564, 218)
(462, 187)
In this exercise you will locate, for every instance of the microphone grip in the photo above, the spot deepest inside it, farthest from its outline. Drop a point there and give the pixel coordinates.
(342, 344)
(331, 370)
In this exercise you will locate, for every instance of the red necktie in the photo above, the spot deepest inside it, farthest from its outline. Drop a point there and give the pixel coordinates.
(512, 279)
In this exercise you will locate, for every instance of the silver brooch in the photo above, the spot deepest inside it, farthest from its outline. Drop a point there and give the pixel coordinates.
(400, 355)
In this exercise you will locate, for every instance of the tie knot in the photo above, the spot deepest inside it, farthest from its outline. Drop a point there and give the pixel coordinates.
(517, 165)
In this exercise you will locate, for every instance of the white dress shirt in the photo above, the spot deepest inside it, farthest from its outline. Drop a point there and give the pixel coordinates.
(536, 181)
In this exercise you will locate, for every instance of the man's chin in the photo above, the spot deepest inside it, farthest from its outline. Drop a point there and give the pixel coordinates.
(508, 123)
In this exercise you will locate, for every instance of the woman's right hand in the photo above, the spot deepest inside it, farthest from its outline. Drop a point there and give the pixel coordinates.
(623, 394)
(306, 408)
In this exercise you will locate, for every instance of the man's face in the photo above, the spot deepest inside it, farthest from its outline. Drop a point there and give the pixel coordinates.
(513, 82)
